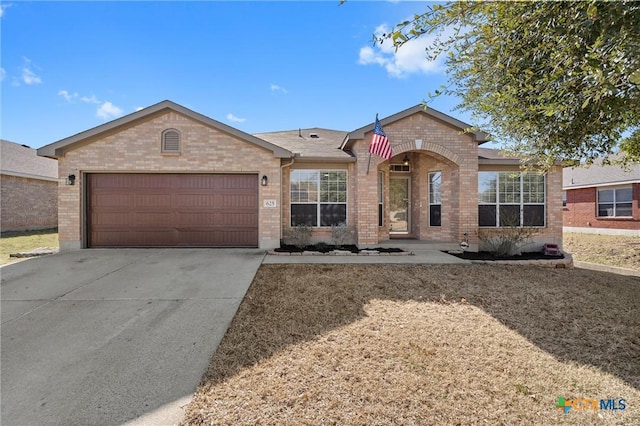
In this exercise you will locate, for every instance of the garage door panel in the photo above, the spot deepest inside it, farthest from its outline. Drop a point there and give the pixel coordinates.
(152, 219)
(111, 200)
(196, 201)
(152, 200)
(110, 219)
(119, 238)
(222, 237)
(237, 218)
(172, 210)
(238, 200)
(230, 182)
(150, 182)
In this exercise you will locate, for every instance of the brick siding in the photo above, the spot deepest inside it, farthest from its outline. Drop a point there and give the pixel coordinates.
(137, 148)
(581, 211)
(444, 149)
(28, 204)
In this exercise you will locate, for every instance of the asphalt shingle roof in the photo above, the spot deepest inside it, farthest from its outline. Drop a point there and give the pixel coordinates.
(493, 154)
(19, 160)
(598, 174)
(314, 143)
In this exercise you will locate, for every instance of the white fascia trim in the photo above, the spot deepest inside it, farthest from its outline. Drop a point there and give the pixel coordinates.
(28, 176)
(597, 185)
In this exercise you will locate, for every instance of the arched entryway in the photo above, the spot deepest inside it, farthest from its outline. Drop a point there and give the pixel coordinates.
(420, 195)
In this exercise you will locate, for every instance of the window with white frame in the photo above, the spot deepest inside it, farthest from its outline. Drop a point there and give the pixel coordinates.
(380, 198)
(435, 199)
(511, 199)
(318, 197)
(615, 202)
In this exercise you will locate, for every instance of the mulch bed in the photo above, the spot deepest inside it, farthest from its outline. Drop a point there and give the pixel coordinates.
(328, 248)
(485, 255)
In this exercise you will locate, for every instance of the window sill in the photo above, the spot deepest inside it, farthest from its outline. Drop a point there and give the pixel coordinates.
(171, 154)
(499, 228)
(615, 218)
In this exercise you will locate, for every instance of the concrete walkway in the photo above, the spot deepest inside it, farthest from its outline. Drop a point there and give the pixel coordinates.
(114, 336)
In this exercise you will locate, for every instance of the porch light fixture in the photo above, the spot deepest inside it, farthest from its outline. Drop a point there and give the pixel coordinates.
(71, 180)
(405, 160)
(264, 180)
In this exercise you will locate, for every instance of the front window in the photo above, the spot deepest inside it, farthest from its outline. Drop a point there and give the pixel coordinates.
(511, 199)
(615, 202)
(318, 197)
(435, 199)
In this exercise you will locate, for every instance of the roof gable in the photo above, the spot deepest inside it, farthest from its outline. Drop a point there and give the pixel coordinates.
(55, 149)
(478, 136)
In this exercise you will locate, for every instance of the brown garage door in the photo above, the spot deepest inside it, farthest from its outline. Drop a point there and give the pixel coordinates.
(172, 210)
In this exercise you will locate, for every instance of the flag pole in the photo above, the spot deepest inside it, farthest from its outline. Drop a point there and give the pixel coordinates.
(369, 163)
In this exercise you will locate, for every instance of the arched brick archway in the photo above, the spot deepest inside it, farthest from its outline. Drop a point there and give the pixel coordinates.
(427, 148)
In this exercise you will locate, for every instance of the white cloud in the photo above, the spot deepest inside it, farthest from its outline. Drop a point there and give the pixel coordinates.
(72, 97)
(276, 88)
(410, 58)
(233, 118)
(28, 75)
(108, 110)
(2, 8)
(3, 74)
(69, 97)
(90, 100)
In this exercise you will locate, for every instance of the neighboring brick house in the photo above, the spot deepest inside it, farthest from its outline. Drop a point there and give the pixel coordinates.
(168, 176)
(602, 199)
(29, 189)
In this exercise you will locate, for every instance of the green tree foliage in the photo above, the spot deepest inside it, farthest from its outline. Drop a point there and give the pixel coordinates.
(550, 80)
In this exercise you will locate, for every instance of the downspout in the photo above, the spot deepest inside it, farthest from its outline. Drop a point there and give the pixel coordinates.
(281, 193)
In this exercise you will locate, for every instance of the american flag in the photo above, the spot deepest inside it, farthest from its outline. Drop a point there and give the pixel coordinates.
(379, 142)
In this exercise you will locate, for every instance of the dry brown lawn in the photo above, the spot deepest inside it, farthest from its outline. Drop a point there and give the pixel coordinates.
(612, 250)
(17, 242)
(425, 345)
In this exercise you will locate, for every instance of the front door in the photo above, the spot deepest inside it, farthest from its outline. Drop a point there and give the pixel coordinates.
(399, 206)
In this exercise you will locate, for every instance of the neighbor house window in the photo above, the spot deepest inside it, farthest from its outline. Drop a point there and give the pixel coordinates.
(318, 197)
(564, 198)
(511, 199)
(615, 202)
(171, 141)
(380, 198)
(435, 199)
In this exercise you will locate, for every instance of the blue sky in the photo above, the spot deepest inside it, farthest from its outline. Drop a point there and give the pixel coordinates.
(258, 66)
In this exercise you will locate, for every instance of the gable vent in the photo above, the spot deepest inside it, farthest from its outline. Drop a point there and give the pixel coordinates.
(314, 136)
(171, 141)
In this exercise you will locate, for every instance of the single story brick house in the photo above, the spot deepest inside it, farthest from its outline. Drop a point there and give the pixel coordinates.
(601, 199)
(169, 176)
(28, 189)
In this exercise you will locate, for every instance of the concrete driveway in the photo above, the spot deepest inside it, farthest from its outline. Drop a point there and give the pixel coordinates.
(114, 336)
